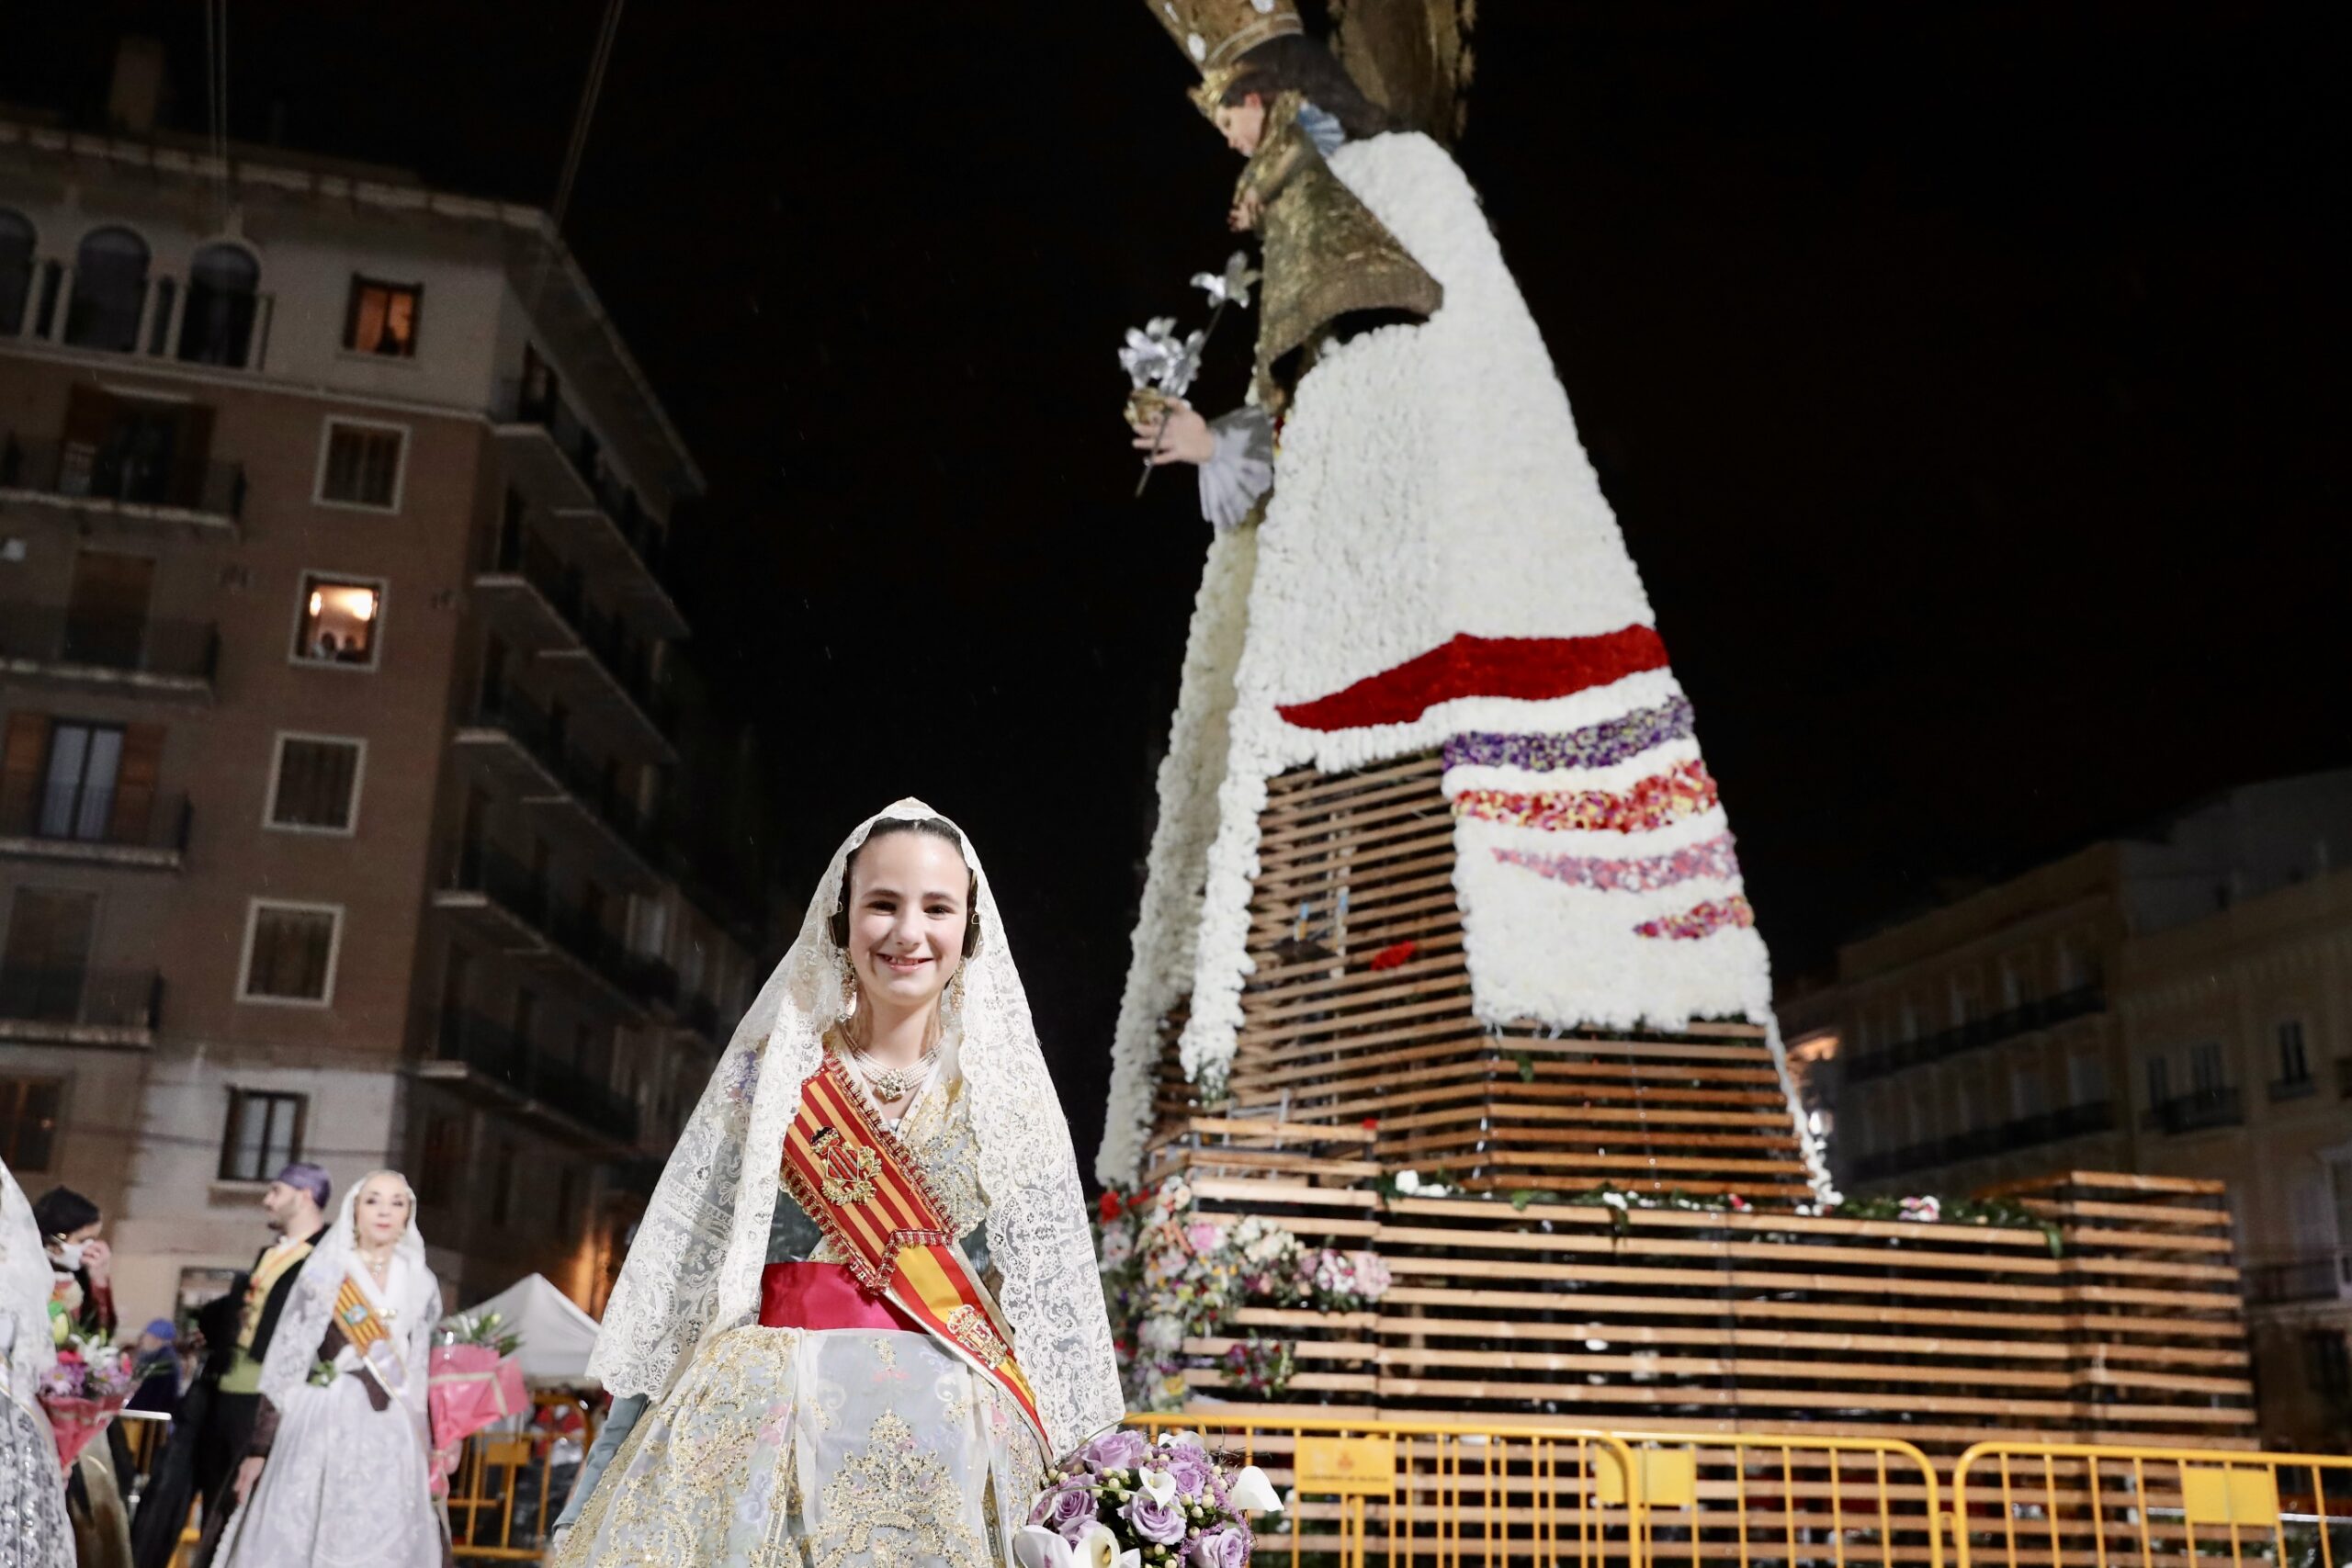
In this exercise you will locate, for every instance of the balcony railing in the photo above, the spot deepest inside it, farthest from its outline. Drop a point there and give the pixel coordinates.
(99, 817)
(2024, 1019)
(2302, 1086)
(2317, 1276)
(74, 470)
(2025, 1133)
(137, 645)
(2215, 1106)
(584, 452)
(626, 661)
(483, 870)
(503, 1056)
(536, 734)
(87, 999)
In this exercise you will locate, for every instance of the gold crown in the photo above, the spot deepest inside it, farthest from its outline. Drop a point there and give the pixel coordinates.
(1215, 34)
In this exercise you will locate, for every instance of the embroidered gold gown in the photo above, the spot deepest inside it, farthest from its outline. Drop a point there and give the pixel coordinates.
(796, 1441)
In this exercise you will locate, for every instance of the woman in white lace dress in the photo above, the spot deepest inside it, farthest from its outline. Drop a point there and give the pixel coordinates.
(33, 1528)
(860, 1314)
(338, 1475)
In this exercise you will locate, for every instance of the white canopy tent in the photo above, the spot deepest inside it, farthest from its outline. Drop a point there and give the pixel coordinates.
(556, 1335)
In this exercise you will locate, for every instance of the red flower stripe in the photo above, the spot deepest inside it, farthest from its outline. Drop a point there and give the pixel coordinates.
(1683, 790)
(1701, 920)
(1527, 668)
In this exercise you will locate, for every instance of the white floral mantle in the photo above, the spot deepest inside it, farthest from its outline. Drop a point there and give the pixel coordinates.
(1430, 497)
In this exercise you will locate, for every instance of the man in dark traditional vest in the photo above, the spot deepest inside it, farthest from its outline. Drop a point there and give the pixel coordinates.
(216, 1416)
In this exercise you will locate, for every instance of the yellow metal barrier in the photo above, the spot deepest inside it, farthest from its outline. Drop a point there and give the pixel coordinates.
(2057, 1504)
(1442, 1493)
(1790, 1501)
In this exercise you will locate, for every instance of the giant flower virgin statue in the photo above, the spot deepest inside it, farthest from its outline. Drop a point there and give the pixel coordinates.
(860, 1314)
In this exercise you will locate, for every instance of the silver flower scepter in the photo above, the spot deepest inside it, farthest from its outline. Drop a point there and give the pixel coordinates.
(1156, 357)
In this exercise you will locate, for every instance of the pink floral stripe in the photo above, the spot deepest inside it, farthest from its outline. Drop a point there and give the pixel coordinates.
(1701, 920)
(1637, 873)
(1684, 790)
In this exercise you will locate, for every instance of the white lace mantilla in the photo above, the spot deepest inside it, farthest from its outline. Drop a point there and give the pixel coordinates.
(693, 1270)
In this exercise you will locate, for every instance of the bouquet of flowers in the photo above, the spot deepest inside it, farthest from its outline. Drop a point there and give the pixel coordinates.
(1125, 1501)
(83, 1389)
(471, 1384)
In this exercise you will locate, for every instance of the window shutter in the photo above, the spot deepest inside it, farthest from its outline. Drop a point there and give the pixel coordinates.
(90, 417)
(134, 786)
(20, 764)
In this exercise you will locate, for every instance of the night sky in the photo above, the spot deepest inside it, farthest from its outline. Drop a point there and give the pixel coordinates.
(1967, 378)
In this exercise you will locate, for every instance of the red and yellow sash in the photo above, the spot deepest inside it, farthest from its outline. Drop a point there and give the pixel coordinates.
(357, 1317)
(871, 1200)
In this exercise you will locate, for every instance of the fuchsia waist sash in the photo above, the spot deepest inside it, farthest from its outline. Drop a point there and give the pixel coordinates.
(825, 1295)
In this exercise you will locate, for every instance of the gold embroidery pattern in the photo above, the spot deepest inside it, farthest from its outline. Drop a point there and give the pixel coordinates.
(973, 1331)
(894, 1506)
(850, 1170)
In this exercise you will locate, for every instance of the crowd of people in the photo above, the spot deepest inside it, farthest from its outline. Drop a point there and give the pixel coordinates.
(299, 1429)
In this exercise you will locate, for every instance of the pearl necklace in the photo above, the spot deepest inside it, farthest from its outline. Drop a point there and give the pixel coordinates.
(891, 1085)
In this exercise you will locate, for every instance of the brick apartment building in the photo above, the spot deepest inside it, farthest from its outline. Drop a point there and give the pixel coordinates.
(2177, 1003)
(338, 733)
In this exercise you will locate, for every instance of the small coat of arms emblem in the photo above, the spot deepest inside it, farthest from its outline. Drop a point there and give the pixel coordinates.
(850, 1169)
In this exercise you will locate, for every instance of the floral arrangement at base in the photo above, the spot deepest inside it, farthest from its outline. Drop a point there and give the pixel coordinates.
(1171, 1275)
(82, 1392)
(1125, 1501)
(1261, 1365)
(1998, 1212)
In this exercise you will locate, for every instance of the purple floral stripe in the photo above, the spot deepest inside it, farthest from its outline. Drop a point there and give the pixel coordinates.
(1639, 874)
(1595, 746)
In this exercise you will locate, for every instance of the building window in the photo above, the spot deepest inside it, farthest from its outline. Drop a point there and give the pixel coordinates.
(2159, 1080)
(2294, 1066)
(15, 270)
(444, 1159)
(504, 1175)
(290, 952)
(382, 318)
(223, 291)
(359, 465)
(339, 620)
(28, 1121)
(264, 1134)
(315, 784)
(110, 291)
(2331, 1363)
(2205, 1067)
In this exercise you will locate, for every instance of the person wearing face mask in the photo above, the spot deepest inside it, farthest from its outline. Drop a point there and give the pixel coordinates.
(32, 1484)
(82, 1280)
(336, 1471)
(866, 1275)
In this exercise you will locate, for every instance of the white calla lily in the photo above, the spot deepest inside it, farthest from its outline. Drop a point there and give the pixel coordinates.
(1159, 1486)
(1098, 1548)
(1252, 1492)
(1035, 1546)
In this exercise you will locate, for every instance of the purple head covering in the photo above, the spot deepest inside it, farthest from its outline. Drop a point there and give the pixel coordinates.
(310, 1179)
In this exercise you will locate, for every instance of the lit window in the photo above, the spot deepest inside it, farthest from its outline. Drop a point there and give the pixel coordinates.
(382, 318)
(339, 620)
(317, 784)
(290, 952)
(264, 1134)
(361, 466)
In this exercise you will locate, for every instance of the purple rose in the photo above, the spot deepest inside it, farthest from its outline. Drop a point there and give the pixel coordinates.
(1224, 1547)
(1190, 1466)
(1118, 1450)
(1068, 1509)
(1161, 1523)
